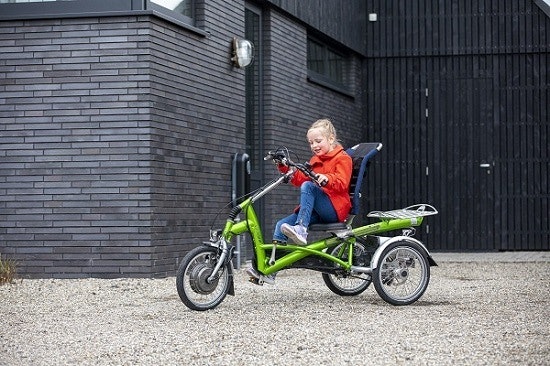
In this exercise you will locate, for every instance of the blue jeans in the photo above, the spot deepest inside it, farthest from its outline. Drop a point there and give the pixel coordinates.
(315, 208)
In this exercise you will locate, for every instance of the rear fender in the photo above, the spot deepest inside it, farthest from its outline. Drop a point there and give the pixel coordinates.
(384, 242)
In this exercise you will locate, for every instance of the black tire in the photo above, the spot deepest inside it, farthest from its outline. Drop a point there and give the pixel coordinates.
(402, 273)
(344, 284)
(191, 279)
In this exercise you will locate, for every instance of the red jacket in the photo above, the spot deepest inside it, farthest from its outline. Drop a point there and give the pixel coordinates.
(337, 166)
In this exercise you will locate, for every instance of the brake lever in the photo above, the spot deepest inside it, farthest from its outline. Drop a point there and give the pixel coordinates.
(277, 157)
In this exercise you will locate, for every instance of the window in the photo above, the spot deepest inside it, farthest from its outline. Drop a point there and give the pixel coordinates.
(328, 66)
(183, 10)
(254, 141)
(181, 7)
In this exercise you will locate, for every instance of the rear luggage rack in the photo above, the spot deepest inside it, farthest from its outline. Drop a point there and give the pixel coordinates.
(405, 213)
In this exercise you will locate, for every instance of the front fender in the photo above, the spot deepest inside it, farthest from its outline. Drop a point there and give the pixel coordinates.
(229, 266)
(384, 242)
(231, 288)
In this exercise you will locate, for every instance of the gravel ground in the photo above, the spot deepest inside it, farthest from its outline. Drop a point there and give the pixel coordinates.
(472, 314)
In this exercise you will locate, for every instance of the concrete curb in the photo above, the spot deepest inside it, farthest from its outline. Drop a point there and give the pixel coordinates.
(509, 257)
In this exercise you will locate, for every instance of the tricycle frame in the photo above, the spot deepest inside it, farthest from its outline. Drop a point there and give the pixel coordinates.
(266, 266)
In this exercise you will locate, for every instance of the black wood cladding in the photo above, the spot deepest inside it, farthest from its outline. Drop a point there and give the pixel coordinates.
(453, 86)
(455, 27)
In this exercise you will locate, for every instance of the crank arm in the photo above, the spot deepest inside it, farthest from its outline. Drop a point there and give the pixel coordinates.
(272, 258)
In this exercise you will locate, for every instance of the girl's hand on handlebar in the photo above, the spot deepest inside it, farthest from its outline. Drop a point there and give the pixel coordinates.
(321, 179)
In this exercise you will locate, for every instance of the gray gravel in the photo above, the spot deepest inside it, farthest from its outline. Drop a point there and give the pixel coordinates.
(472, 313)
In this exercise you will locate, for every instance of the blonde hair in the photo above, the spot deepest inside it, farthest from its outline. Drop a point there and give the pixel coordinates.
(328, 129)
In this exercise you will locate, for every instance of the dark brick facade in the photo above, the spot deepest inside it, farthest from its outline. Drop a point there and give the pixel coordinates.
(75, 196)
(116, 134)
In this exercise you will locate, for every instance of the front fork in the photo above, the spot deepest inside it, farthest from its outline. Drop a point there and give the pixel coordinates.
(225, 258)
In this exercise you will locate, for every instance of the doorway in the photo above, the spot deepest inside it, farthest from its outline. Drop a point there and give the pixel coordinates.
(460, 163)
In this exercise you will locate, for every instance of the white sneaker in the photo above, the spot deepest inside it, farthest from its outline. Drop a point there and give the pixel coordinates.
(297, 233)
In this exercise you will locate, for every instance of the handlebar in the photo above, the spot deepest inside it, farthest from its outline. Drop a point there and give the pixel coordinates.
(281, 157)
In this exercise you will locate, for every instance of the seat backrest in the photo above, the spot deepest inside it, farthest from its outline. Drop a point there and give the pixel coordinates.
(360, 155)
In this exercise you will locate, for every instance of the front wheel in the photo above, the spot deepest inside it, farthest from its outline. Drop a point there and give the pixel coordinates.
(194, 288)
(402, 273)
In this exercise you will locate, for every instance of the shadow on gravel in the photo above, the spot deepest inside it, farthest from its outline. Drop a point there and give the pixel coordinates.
(421, 303)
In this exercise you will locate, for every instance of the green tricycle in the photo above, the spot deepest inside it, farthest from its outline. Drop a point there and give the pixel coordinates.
(348, 258)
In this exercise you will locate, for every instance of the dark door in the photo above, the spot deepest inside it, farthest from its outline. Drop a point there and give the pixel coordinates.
(460, 163)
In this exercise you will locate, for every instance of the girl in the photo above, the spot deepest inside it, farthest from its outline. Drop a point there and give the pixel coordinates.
(324, 201)
(327, 200)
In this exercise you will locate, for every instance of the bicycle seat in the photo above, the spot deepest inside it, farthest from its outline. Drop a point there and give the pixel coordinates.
(360, 156)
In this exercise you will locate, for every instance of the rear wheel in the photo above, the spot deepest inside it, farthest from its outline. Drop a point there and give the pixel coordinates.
(343, 283)
(402, 273)
(194, 288)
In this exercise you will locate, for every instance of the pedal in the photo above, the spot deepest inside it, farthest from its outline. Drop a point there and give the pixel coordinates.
(256, 281)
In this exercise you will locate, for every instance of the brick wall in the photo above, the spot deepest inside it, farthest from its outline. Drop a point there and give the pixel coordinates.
(116, 135)
(110, 134)
(198, 123)
(74, 147)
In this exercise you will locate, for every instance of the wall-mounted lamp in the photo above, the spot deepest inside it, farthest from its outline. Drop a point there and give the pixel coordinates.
(243, 52)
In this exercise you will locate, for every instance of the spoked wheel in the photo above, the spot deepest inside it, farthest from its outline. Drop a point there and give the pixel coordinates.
(194, 289)
(344, 284)
(402, 273)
